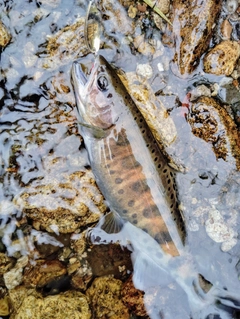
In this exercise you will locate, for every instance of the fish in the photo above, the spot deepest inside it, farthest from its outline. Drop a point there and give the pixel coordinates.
(129, 167)
(137, 183)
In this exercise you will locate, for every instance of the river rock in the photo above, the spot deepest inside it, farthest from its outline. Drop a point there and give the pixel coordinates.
(211, 122)
(105, 299)
(222, 59)
(192, 26)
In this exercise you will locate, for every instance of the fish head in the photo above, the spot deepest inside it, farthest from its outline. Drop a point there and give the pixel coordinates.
(96, 95)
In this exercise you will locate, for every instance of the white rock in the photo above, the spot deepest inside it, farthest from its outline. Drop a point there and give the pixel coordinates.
(144, 70)
(229, 244)
(13, 278)
(160, 67)
(217, 229)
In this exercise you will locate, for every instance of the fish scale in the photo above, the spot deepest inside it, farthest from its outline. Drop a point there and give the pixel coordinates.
(128, 165)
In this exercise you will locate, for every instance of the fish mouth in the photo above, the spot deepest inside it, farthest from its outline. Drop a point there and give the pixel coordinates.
(82, 69)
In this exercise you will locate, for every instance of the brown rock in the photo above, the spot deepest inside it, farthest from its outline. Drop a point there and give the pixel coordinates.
(6, 263)
(133, 298)
(105, 298)
(192, 26)
(63, 202)
(28, 304)
(226, 29)
(211, 122)
(110, 260)
(222, 59)
(42, 273)
(5, 36)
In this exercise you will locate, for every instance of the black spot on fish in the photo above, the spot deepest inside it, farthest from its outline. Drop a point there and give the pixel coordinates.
(118, 180)
(140, 186)
(172, 196)
(131, 203)
(169, 181)
(148, 212)
(159, 165)
(134, 215)
(135, 222)
(109, 95)
(121, 191)
(163, 237)
(125, 211)
(165, 171)
(112, 172)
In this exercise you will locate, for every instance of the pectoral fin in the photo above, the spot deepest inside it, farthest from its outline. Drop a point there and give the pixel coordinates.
(112, 223)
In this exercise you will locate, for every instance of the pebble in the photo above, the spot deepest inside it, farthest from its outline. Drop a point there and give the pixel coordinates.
(144, 70)
(133, 298)
(132, 11)
(217, 229)
(201, 90)
(226, 30)
(105, 297)
(231, 6)
(163, 5)
(4, 307)
(13, 278)
(142, 7)
(70, 304)
(5, 36)
(222, 59)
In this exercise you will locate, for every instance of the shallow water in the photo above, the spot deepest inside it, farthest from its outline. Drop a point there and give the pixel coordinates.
(41, 151)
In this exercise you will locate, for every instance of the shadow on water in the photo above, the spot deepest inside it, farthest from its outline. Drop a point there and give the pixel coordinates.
(44, 166)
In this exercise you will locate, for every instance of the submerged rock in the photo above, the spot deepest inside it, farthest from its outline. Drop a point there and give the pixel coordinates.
(105, 299)
(212, 123)
(64, 204)
(42, 272)
(133, 298)
(110, 260)
(65, 46)
(29, 304)
(192, 25)
(5, 36)
(222, 59)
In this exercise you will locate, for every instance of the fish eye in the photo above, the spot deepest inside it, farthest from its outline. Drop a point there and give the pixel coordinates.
(102, 83)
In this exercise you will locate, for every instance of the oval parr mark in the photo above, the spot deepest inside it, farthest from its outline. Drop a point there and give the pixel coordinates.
(162, 237)
(149, 212)
(140, 186)
(118, 180)
(131, 203)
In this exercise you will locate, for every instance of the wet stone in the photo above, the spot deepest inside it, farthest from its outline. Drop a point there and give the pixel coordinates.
(42, 272)
(64, 46)
(211, 122)
(105, 298)
(110, 260)
(222, 59)
(63, 204)
(5, 36)
(30, 304)
(192, 28)
(133, 298)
